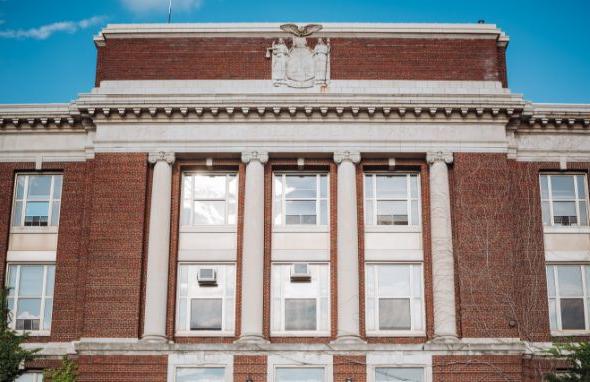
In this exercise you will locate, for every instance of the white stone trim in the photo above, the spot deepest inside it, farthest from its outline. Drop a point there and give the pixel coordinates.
(402, 359)
(30, 256)
(299, 359)
(201, 360)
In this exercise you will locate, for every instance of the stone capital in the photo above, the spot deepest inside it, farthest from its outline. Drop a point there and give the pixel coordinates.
(261, 156)
(157, 156)
(341, 156)
(439, 156)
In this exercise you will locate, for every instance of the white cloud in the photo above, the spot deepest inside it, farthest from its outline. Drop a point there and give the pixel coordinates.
(45, 31)
(144, 6)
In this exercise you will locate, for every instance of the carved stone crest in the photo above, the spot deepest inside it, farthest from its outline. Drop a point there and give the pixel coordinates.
(300, 66)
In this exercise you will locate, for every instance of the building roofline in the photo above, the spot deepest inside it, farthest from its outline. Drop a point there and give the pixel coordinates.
(269, 30)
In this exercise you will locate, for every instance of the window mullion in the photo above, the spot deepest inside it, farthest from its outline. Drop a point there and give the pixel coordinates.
(408, 199)
(43, 293)
(557, 297)
(411, 298)
(283, 198)
(16, 295)
(585, 297)
(317, 200)
(550, 191)
(25, 201)
(375, 212)
(576, 203)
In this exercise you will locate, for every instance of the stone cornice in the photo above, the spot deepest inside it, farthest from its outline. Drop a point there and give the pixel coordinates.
(269, 30)
(47, 116)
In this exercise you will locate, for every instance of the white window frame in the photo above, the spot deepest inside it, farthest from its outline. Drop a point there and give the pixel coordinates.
(586, 300)
(291, 366)
(203, 366)
(299, 359)
(576, 200)
(37, 376)
(318, 199)
(224, 332)
(282, 332)
(373, 370)
(51, 200)
(408, 199)
(44, 297)
(227, 174)
(394, 333)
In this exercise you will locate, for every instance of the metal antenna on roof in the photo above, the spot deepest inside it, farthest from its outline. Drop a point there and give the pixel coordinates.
(169, 11)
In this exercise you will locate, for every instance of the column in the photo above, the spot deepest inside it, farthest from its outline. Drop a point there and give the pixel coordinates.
(443, 278)
(253, 248)
(158, 253)
(347, 242)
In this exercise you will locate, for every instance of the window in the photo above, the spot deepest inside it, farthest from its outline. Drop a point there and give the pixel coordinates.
(299, 374)
(399, 374)
(300, 307)
(206, 308)
(30, 377)
(569, 296)
(200, 374)
(37, 199)
(394, 297)
(392, 199)
(209, 199)
(564, 200)
(30, 296)
(300, 199)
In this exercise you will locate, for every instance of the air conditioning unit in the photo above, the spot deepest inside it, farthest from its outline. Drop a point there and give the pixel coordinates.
(207, 276)
(300, 272)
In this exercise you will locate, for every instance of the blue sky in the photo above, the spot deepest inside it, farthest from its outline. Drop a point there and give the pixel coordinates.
(47, 53)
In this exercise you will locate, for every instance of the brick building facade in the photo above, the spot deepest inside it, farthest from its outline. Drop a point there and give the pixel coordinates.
(237, 202)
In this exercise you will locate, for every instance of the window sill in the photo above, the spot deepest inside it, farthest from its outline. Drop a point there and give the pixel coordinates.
(570, 333)
(208, 228)
(205, 333)
(39, 333)
(300, 334)
(51, 229)
(396, 333)
(556, 229)
(301, 228)
(392, 228)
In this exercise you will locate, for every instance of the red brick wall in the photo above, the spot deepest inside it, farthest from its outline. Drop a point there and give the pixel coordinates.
(250, 367)
(491, 368)
(349, 366)
(71, 248)
(115, 251)
(123, 368)
(352, 58)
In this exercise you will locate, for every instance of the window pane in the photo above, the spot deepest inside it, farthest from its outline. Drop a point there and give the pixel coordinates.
(391, 186)
(323, 186)
(17, 214)
(277, 211)
(570, 281)
(232, 186)
(278, 185)
(36, 213)
(300, 186)
(394, 280)
(564, 213)
(562, 187)
(57, 181)
(47, 314)
(20, 187)
(30, 377)
(182, 313)
(546, 213)
(31, 281)
(552, 314)
(392, 213)
(11, 283)
(417, 281)
(300, 374)
(414, 186)
(232, 213)
(300, 212)
(369, 192)
(550, 282)
(206, 314)
(572, 313)
(55, 207)
(324, 212)
(209, 212)
(583, 214)
(300, 314)
(394, 314)
(200, 374)
(544, 187)
(209, 186)
(50, 280)
(415, 218)
(369, 212)
(39, 186)
(396, 374)
(581, 179)
(28, 309)
(417, 314)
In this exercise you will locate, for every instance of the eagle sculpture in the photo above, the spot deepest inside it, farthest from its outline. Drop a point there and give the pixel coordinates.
(301, 32)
